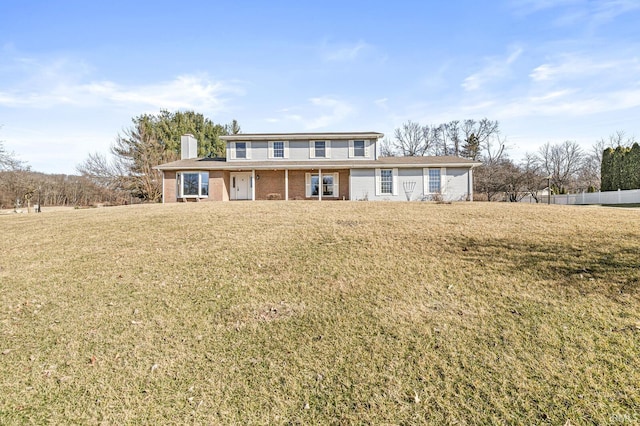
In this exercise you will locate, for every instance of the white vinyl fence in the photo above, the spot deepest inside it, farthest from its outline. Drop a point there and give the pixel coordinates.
(630, 196)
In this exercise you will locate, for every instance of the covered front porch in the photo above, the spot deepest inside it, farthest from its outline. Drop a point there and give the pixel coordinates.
(287, 184)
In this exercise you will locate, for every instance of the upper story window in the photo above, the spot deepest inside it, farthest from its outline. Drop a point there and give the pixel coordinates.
(239, 150)
(278, 149)
(359, 149)
(320, 149)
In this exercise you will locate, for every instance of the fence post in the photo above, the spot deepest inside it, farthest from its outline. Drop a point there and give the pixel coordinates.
(619, 196)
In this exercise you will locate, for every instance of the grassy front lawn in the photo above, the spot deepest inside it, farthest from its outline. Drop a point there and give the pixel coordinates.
(321, 313)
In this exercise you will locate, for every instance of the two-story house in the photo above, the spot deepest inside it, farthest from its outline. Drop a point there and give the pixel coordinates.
(312, 166)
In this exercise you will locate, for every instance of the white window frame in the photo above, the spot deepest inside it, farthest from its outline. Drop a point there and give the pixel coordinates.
(336, 185)
(232, 150)
(394, 182)
(201, 179)
(352, 153)
(426, 180)
(327, 149)
(272, 150)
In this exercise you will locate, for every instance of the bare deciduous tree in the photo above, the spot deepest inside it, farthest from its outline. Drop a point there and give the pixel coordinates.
(452, 130)
(104, 173)
(409, 140)
(562, 162)
(387, 149)
(8, 160)
(494, 176)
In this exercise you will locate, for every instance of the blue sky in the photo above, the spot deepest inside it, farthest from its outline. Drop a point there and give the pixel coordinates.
(74, 73)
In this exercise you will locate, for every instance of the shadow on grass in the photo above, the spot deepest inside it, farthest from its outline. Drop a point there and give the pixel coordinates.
(611, 270)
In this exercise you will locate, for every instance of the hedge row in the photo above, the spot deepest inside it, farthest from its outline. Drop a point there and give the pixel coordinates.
(621, 168)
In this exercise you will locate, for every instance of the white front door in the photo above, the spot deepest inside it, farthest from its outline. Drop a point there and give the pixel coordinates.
(240, 186)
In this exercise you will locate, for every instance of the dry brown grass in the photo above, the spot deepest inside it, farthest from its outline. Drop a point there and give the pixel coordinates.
(321, 313)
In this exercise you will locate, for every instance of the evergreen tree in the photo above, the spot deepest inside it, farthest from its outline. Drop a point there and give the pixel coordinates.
(150, 141)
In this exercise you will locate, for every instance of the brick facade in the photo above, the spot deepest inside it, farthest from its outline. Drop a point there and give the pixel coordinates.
(218, 186)
(269, 185)
(298, 189)
(169, 186)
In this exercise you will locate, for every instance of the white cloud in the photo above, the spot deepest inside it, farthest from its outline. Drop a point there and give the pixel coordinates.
(569, 103)
(526, 7)
(64, 82)
(605, 11)
(572, 66)
(494, 69)
(338, 111)
(183, 92)
(323, 112)
(344, 52)
(591, 14)
(382, 103)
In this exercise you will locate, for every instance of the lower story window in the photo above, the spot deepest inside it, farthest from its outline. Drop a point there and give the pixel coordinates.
(328, 186)
(193, 184)
(386, 181)
(434, 181)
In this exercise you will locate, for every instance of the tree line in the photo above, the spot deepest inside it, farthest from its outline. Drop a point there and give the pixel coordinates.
(124, 175)
(20, 187)
(565, 166)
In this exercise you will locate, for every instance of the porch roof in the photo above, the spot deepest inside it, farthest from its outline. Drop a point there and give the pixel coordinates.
(399, 162)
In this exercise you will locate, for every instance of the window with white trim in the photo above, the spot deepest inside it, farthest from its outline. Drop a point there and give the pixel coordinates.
(329, 186)
(386, 181)
(192, 184)
(241, 150)
(278, 149)
(320, 149)
(435, 181)
(358, 149)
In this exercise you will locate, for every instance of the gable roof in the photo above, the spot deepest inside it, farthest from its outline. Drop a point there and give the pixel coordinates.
(301, 136)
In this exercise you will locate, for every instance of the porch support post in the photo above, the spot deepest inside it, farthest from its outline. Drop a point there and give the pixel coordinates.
(253, 184)
(320, 184)
(286, 184)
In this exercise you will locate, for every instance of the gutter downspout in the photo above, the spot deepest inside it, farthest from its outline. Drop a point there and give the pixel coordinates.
(470, 184)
